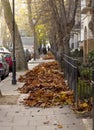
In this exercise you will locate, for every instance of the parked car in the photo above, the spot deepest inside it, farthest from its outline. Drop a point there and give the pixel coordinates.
(8, 58)
(4, 50)
(4, 67)
(7, 55)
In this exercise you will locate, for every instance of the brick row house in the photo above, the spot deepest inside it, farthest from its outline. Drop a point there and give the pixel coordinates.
(81, 34)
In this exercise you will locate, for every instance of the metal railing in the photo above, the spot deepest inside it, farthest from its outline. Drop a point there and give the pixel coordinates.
(70, 73)
(93, 97)
(84, 82)
(78, 78)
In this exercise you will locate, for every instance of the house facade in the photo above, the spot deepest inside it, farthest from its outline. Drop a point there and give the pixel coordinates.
(86, 34)
(75, 33)
(81, 35)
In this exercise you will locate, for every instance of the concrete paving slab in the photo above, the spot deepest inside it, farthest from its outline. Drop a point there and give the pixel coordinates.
(39, 111)
(47, 128)
(37, 120)
(21, 120)
(5, 107)
(6, 119)
(24, 128)
(87, 123)
(68, 119)
(2, 114)
(5, 128)
(72, 127)
(6, 124)
(62, 110)
(18, 113)
(64, 127)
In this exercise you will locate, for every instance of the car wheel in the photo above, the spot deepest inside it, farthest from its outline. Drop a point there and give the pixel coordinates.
(2, 77)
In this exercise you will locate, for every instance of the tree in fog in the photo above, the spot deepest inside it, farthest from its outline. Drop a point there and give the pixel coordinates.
(20, 57)
(63, 14)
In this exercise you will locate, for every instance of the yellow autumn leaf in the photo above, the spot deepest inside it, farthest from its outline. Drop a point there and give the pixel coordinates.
(59, 126)
(63, 96)
(69, 101)
(85, 105)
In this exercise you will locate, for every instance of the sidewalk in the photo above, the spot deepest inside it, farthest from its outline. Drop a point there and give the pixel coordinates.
(20, 117)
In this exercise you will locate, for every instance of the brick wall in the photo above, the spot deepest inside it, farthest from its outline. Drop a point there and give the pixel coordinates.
(87, 47)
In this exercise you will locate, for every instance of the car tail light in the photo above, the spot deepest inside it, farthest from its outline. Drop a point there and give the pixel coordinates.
(1, 65)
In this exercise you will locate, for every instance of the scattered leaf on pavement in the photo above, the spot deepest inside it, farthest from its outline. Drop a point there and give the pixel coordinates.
(59, 126)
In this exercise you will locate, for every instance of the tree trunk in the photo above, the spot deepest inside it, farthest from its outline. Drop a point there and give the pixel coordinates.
(66, 44)
(21, 63)
(36, 53)
(64, 18)
(32, 26)
(53, 42)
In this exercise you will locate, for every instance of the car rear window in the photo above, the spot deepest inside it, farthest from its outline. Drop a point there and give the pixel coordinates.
(7, 55)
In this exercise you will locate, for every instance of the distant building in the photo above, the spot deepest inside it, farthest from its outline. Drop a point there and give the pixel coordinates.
(28, 43)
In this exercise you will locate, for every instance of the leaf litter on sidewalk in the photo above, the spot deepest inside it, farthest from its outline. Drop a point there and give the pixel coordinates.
(46, 86)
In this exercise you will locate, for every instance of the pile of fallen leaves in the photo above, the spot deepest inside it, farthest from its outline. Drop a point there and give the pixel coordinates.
(46, 86)
(48, 56)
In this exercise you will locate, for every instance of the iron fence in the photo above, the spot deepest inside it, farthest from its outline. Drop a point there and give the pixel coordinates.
(78, 78)
(93, 98)
(70, 73)
(84, 82)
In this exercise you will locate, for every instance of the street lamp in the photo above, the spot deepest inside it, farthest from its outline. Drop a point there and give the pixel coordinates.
(34, 33)
(14, 59)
